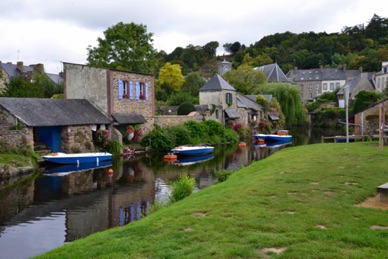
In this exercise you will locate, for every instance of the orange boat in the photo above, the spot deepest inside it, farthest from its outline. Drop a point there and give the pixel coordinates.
(242, 144)
(260, 141)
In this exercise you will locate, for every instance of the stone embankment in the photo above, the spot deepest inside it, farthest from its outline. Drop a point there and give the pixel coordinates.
(8, 171)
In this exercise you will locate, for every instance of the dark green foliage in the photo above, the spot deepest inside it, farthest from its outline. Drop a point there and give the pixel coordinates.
(193, 81)
(185, 108)
(114, 147)
(182, 188)
(179, 98)
(328, 118)
(327, 97)
(223, 175)
(196, 129)
(160, 139)
(214, 128)
(363, 99)
(290, 101)
(180, 135)
(40, 87)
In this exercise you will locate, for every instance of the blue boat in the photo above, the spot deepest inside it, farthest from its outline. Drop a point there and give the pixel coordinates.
(77, 158)
(190, 160)
(342, 139)
(71, 168)
(273, 137)
(192, 151)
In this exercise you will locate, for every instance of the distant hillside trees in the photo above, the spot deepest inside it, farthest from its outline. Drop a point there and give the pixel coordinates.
(245, 79)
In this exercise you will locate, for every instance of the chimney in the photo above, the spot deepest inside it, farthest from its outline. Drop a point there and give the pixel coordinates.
(38, 68)
(20, 67)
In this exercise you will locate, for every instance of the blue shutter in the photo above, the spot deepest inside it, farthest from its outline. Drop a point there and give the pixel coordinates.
(130, 91)
(137, 90)
(146, 91)
(120, 83)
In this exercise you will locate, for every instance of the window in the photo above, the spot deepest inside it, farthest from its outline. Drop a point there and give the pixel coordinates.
(332, 86)
(310, 86)
(337, 85)
(124, 89)
(141, 91)
(228, 98)
(317, 87)
(325, 86)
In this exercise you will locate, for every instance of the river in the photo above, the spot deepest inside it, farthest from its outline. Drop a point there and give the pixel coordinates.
(53, 207)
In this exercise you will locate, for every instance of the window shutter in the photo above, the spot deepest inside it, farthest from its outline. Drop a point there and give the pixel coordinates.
(146, 91)
(120, 84)
(137, 90)
(130, 91)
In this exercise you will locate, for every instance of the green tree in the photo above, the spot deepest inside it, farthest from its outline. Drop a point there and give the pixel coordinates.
(210, 49)
(178, 98)
(363, 99)
(193, 81)
(171, 76)
(40, 87)
(289, 98)
(245, 79)
(125, 47)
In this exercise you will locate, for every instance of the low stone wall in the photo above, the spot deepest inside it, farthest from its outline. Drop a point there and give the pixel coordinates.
(76, 139)
(173, 120)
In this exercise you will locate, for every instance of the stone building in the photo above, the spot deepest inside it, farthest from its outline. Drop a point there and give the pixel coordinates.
(381, 78)
(221, 99)
(125, 97)
(367, 121)
(61, 125)
(9, 70)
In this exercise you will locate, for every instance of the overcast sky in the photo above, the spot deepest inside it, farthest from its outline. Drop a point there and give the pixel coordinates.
(51, 32)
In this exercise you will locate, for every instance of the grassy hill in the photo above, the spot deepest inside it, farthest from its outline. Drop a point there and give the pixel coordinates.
(301, 202)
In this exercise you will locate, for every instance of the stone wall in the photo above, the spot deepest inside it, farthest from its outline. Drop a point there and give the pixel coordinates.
(370, 120)
(173, 120)
(77, 139)
(14, 133)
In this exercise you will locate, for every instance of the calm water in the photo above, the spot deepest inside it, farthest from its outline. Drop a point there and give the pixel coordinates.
(53, 207)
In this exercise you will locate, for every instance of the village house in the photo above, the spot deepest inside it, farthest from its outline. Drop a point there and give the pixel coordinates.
(9, 70)
(273, 73)
(52, 124)
(315, 82)
(368, 121)
(381, 78)
(126, 98)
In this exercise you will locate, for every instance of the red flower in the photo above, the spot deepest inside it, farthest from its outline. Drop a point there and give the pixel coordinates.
(142, 96)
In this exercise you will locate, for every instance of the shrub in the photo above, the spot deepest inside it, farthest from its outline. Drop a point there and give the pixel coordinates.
(160, 140)
(185, 108)
(196, 129)
(182, 188)
(180, 135)
(179, 98)
(214, 127)
(230, 136)
(223, 175)
(114, 147)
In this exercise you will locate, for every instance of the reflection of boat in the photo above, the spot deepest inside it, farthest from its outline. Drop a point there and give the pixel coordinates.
(342, 139)
(192, 151)
(63, 158)
(193, 160)
(273, 137)
(278, 144)
(68, 169)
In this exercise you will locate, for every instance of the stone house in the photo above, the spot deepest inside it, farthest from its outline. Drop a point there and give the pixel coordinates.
(61, 125)
(249, 110)
(381, 78)
(9, 70)
(126, 98)
(368, 119)
(221, 98)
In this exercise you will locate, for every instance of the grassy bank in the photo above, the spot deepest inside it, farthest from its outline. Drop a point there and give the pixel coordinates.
(298, 203)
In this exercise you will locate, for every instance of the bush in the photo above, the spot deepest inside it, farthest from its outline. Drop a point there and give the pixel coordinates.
(160, 140)
(185, 108)
(214, 128)
(114, 147)
(180, 135)
(223, 175)
(230, 136)
(179, 98)
(182, 188)
(196, 129)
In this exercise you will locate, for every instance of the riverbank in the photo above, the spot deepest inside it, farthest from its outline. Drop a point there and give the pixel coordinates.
(302, 201)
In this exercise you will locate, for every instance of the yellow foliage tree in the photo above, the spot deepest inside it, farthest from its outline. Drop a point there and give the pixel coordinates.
(170, 75)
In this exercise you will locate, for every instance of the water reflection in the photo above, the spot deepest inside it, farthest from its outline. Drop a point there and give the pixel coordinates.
(63, 205)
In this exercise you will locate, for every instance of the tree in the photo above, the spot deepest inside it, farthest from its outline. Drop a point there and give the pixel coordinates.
(171, 76)
(232, 48)
(193, 81)
(245, 79)
(125, 47)
(289, 98)
(40, 87)
(363, 99)
(210, 49)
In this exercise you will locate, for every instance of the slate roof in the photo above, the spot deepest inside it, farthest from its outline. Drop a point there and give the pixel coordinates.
(216, 83)
(131, 118)
(12, 71)
(246, 102)
(273, 73)
(232, 113)
(37, 112)
(318, 74)
(268, 97)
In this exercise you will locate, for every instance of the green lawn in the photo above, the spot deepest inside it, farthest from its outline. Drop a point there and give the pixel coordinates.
(297, 203)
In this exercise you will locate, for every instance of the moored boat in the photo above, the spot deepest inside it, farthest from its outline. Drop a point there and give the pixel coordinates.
(193, 160)
(77, 158)
(192, 151)
(273, 137)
